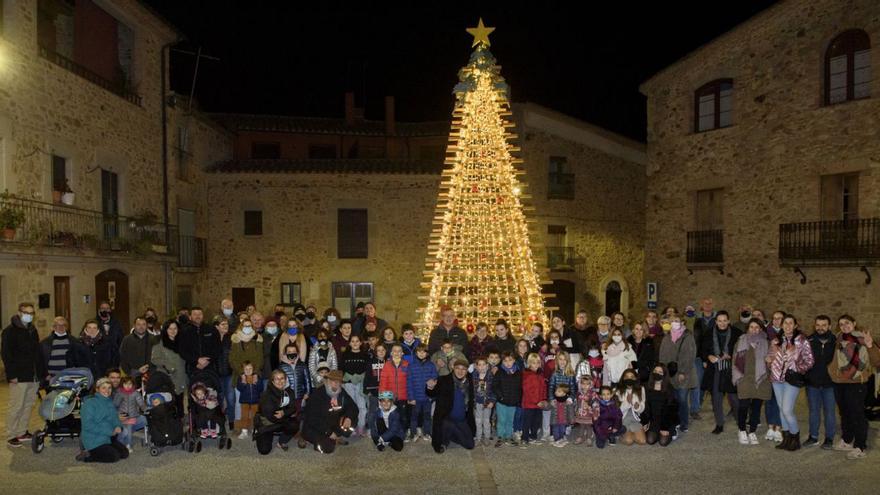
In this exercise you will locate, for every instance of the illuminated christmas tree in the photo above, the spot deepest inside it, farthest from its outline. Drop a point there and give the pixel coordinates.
(480, 261)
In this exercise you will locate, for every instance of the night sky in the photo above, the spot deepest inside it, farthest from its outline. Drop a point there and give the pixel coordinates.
(298, 58)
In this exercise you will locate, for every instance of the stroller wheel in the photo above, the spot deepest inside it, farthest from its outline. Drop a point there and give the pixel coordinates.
(198, 446)
(191, 446)
(221, 442)
(38, 442)
(57, 439)
(154, 451)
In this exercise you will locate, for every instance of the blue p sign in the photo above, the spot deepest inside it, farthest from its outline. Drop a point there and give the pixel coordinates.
(653, 295)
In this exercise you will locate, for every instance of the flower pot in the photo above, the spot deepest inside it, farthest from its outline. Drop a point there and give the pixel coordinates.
(8, 234)
(56, 196)
(67, 198)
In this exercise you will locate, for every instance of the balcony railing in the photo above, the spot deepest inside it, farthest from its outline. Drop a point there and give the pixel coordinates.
(835, 242)
(47, 224)
(560, 186)
(193, 252)
(705, 247)
(560, 258)
(114, 87)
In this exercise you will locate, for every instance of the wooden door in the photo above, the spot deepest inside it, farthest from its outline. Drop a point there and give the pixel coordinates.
(112, 285)
(242, 297)
(563, 298)
(62, 297)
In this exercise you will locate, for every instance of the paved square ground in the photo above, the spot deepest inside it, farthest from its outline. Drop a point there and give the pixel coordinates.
(698, 463)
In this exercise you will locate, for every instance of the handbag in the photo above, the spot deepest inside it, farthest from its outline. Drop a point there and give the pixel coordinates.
(795, 379)
(672, 367)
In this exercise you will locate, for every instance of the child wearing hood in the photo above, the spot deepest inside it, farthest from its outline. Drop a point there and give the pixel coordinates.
(388, 428)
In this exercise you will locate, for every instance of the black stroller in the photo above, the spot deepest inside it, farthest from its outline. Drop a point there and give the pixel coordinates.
(206, 418)
(164, 420)
(60, 408)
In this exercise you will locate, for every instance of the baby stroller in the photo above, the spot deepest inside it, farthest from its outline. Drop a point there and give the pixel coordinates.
(207, 419)
(60, 408)
(164, 421)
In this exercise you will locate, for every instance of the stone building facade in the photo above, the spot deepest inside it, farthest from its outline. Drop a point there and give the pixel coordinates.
(764, 165)
(592, 198)
(81, 107)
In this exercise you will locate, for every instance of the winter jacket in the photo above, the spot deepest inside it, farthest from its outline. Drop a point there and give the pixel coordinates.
(134, 352)
(393, 425)
(661, 410)
(409, 350)
(169, 362)
(483, 387)
(419, 374)
(340, 343)
(99, 354)
(796, 355)
(275, 399)
(394, 379)
(478, 348)
(609, 419)
(196, 342)
(645, 356)
(76, 356)
(534, 389)
(587, 409)
(562, 412)
(318, 355)
(616, 365)
(20, 349)
(707, 348)
(837, 374)
(682, 352)
(250, 391)
(113, 332)
(223, 367)
(560, 378)
(504, 345)
(507, 387)
(298, 378)
(444, 396)
(241, 351)
(320, 421)
(98, 418)
(823, 355)
(271, 352)
(458, 337)
(371, 381)
(130, 404)
(447, 360)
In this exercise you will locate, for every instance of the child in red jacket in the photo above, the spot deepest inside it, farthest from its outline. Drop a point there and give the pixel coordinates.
(393, 379)
(534, 399)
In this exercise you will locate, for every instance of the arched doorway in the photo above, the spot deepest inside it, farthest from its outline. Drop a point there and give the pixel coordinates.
(613, 293)
(112, 285)
(612, 297)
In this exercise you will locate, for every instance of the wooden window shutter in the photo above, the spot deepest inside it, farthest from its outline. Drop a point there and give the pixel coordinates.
(352, 239)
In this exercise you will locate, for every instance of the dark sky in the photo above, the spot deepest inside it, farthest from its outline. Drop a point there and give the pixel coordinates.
(298, 58)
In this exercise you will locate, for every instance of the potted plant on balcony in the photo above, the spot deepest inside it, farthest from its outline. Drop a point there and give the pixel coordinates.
(67, 194)
(11, 216)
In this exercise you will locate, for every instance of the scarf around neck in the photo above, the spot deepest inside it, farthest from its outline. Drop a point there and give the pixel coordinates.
(852, 356)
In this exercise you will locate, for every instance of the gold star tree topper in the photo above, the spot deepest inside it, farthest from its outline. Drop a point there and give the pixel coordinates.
(480, 34)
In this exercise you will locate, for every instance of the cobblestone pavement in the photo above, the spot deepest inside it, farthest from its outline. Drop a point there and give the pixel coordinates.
(698, 463)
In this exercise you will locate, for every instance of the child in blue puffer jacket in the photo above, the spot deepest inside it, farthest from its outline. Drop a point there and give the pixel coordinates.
(421, 369)
(250, 387)
(388, 429)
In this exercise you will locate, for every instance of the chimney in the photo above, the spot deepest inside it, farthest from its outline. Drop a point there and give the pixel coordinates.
(390, 128)
(349, 108)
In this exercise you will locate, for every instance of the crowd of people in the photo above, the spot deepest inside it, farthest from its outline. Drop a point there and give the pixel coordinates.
(322, 380)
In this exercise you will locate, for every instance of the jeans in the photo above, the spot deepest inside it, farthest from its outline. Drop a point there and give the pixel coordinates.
(786, 398)
(518, 419)
(531, 419)
(558, 432)
(356, 391)
(505, 416)
(771, 411)
(749, 410)
(483, 418)
(545, 424)
(421, 412)
(696, 394)
(372, 408)
(227, 391)
(458, 432)
(822, 402)
(853, 423)
(681, 396)
(124, 437)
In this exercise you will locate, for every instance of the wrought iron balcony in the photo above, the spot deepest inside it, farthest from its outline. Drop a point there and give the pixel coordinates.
(560, 258)
(47, 224)
(193, 252)
(115, 87)
(560, 186)
(705, 247)
(835, 242)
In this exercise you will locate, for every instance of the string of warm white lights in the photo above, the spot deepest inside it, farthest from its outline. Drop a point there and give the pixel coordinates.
(480, 259)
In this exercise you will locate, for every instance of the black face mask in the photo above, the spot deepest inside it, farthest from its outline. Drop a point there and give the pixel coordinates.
(291, 356)
(657, 377)
(745, 314)
(279, 314)
(300, 316)
(310, 315)
(151, 320)
(104, 314)
(629, 383)
(183, 319)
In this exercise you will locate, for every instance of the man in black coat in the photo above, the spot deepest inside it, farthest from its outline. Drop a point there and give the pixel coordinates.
(20, 348)
(820, 388)
(454, 408)
(447, 329)
(716, 349)
(111, 327)
(329, 414)
(200, 343)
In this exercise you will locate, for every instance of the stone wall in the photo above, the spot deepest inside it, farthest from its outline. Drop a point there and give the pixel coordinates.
(769, 162)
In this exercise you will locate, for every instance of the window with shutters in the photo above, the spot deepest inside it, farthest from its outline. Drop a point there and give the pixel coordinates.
(848, 67)
(352, 233)
(253, 222)
(839, 197)
(713, 105)
(291, 293)
(709, 209)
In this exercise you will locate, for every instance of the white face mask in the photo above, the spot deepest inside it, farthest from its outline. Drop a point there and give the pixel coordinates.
(676, 325)
(247, 330)
(331, 318)
(617, 339)
(26, 319)
(227, 312)
(594, 353)
(555, 341)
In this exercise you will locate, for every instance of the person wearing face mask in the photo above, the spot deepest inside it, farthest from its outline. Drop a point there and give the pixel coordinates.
(108, 324)
(310, 320)
(631, 397)
(291, 334)
(271, 347)
(298, 379)
(322, 352)
(660, 416)
(618, 356)
(717, 350)
(246, 345)
(678, 352)
(154, 330)
(20, 348)
(603, 331)
(227, 309)
(820, 388)
(60, 350)
(333, 318)
(751, 379)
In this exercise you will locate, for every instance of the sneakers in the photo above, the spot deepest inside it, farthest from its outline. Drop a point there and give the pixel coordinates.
(426, 437)
(743, 438)
(777, 436)
(753, 439)
(828, 444)
(513, 442)
(538, 442)
(26, 437)
(842, 446)
(409, 438)
(560, 443)
(856, 454)
(771, 435)
(243, 435)
(811, 442)
(130, 450)
(14, 442)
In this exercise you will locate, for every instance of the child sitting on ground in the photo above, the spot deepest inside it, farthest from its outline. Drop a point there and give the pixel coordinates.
(562, 414)
(587, 411)
(130, 406)
(609, 423)
(388, 428)
(250, 388)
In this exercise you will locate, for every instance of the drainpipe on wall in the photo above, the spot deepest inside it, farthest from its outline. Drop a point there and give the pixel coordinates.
(165, 213)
